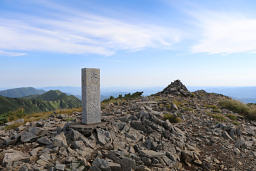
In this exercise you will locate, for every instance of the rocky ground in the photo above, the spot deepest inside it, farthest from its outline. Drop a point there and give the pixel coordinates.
(137, 134)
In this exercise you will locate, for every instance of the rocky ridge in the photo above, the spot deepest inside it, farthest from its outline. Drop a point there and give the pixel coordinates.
(135, 135)
(175, 88)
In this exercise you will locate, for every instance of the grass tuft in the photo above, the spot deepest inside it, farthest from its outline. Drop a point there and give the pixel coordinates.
(42, 115)
(232, 117)
(235, 106)
(172, 118)
(248, 111)
(218, 117)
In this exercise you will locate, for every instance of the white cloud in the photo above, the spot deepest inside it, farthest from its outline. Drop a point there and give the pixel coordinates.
(225, 33)
(5, 53)
(81, 33)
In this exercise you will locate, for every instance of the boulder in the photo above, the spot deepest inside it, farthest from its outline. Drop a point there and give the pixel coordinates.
(151, 153)
(44, 141)
(27, 136)
(128, 164)
(13, 155)
(60, 140)
(101, 164)
(59, 166)
(103, 136)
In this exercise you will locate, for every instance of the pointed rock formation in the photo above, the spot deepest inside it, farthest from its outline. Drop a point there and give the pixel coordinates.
(176, 88)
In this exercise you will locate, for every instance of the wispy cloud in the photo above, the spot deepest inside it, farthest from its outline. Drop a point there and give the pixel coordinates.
(81, 33)
(5, 53)
(225, 33)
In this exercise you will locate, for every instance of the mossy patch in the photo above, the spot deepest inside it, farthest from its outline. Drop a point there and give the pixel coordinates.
(218, 117)
(232, 116)
(172, 118)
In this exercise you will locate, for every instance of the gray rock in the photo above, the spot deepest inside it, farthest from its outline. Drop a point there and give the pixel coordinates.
(42, 162)
(44, 140)
(60, 140)
(59, 166)
(45, 156)
(77, 136)
(240, 143)
(101, 164)
(147, 161)
(114, 166)
(35, 151)
(226, 135)
(151, 153)
(142, 168)
(27, 136)
(79, 145)
(128, 164)
(35, 130)
(63, 151)
(103, 136)
(13, 156)
(23, 168)
(94, 168)
(51, 169)
(15, 122)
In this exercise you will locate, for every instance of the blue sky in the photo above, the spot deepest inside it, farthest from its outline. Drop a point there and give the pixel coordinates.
(139, 43)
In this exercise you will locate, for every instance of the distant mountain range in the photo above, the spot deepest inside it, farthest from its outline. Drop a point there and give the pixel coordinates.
(21, 92)
(76, 91)
(49, 101)
(244, 94)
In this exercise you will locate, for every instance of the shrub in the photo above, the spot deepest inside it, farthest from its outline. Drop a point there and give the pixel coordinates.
(235, 106)
(252, 114)
(235, 123)
(188, 109)
(177, 103)
(172, 118)
(211, 106)
(218, 117)
(232, 116)
(126, 96)
(247, 110)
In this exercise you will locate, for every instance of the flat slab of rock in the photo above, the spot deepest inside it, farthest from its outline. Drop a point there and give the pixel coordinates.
(13, 155)
(151, 153)
(87, 126)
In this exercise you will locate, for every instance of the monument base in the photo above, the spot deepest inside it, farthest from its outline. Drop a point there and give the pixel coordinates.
(88, 129)
(87, 126)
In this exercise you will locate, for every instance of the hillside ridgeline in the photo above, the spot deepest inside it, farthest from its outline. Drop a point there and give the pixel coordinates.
(21, 92)
(48, 101)
(172, 130)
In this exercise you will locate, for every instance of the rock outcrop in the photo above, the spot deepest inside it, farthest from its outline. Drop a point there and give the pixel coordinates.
(176, 88)
(136, 134)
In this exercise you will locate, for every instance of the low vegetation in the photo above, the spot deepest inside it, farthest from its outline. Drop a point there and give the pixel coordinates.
(125, 97)
(172, 118)
(232, 116)
(40, 115)
(248, 111)
(13, 108)
(218, 117)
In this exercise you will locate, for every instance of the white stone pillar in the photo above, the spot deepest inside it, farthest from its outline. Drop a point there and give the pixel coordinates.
(91, 96)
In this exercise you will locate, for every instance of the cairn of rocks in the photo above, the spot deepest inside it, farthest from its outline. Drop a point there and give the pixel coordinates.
(176, 88)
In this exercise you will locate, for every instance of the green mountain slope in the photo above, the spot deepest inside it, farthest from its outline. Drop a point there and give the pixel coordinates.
(21, 92)
(48, 101)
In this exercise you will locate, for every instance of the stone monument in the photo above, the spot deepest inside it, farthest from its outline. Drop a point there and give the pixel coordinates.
(91, 113)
